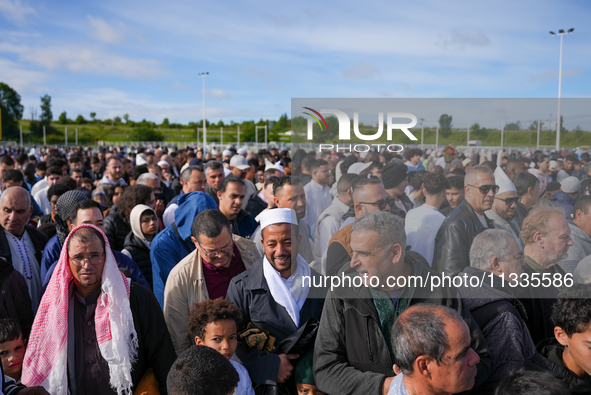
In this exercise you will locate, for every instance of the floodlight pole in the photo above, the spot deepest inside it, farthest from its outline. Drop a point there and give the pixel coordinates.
(422, 134)
(561, 33)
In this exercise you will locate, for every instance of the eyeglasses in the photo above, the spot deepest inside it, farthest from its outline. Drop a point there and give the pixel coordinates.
(485, 189)
(93, 259)
(510, 201)
(382, 203)
(223, 252)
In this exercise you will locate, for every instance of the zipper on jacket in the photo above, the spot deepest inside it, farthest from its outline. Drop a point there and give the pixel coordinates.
(368, 339)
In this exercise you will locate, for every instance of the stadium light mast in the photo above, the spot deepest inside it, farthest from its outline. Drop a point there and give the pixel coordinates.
(560, 33)
(204, 125)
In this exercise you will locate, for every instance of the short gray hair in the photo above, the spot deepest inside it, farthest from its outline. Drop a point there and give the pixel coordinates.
(186, 174)
(420, 330)
(143, 179)
(389, 227)
(212, 165)
(487, 245)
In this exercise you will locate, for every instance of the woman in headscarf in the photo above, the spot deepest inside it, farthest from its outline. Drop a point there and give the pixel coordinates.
(117, 222)
(144, 226)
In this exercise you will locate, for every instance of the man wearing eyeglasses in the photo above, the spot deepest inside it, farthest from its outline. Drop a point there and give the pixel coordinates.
(465, 222)
(505, 206)
(369, 196)
(205, 273)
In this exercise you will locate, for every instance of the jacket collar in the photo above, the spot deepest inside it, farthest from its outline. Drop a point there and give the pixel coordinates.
(470, 211)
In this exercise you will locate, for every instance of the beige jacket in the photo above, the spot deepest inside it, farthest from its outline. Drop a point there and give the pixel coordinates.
(185, 286)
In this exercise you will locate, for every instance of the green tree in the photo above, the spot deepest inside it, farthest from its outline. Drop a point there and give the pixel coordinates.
(513, 126)
(478, 132)
(445, 123)
(63, 119)
(125, 116)
(93, 115)
(80, 120)
(46, 114)
(534, 125)
(145, 133)
(118, 119)
(12, 111)
(165, 123)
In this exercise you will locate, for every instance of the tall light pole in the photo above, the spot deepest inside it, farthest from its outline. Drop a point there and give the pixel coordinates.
(561, 33)
(204, 126)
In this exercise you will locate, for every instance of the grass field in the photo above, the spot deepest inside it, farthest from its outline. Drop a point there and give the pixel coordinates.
(92, 133)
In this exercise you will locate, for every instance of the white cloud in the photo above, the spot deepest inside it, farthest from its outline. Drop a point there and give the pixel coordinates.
(553, 75)
(15, 11)
(466, 38)
(217, 93)
(86, 60)
(104, 31)
(360, 71)
(22, 80)
(108, 103)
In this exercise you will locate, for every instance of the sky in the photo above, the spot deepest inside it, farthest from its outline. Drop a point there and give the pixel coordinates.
(144, 57)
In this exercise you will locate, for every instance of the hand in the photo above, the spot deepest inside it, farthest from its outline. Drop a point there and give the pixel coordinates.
(285, 367)
(33, 391)
(386, 386)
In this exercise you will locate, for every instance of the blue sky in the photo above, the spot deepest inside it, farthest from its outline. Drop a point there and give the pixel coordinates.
(143, 57)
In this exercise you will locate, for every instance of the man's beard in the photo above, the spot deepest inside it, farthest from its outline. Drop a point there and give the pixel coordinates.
(272, 262)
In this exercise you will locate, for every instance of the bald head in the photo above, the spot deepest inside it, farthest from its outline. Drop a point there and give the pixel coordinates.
(18, 193)
(15, 210)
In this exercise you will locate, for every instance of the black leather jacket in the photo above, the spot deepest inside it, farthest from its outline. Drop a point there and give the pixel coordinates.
(454, 238)
(351, 355)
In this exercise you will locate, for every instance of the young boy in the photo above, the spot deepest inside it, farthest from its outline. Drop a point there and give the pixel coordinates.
(12, 348)
(213, 323)
(201, 370)
(304, 375)
(569, 357)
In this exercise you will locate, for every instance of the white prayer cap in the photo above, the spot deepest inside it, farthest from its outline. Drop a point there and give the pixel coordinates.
(270, 165)
(503, 181)
(278, 216)
(357, 168)
(242, 151)
(163, 163)
(227, 152)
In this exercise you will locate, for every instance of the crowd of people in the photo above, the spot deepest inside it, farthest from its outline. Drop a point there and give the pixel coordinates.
(155, 270)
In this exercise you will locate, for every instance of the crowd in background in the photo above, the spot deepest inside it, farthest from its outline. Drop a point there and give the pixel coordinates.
(160, 270)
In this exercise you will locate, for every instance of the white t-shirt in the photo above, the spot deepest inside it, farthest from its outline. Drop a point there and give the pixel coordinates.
(244, 384)
(421, 226)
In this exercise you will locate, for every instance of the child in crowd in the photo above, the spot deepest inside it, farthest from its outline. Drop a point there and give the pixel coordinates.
(201, 370)
(214, 324)
(304, 375)
(12, 348)
(144, 226)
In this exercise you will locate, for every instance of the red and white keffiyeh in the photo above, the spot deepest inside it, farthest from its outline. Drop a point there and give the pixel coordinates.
(46, 358)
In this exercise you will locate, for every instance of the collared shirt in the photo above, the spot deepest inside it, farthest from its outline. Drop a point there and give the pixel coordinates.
(318, 198)
(421, 226)
(397, 386)
(91, 371)
(24, 261)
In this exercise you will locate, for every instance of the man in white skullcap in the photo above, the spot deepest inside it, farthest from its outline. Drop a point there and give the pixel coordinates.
(280, 294)
(505, 205)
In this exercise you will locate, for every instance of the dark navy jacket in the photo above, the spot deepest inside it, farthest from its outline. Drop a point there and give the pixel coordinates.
(565, 202)
(250, 292)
